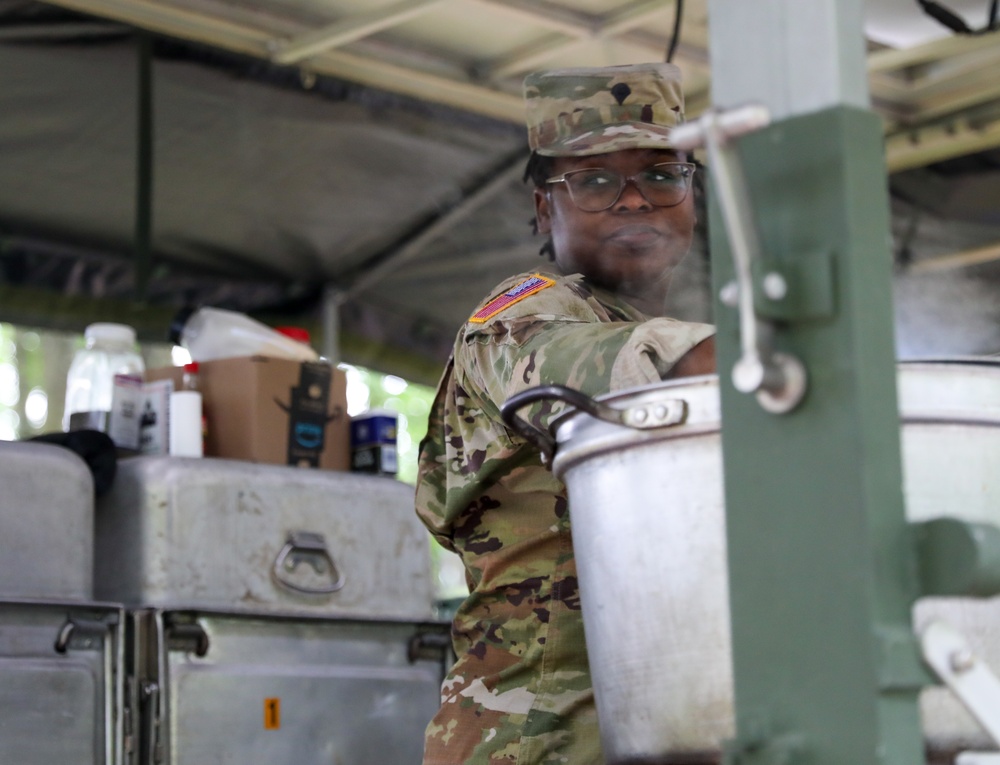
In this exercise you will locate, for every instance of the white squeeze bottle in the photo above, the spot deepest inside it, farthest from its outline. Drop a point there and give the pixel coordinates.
(186, 425)
(215, 333)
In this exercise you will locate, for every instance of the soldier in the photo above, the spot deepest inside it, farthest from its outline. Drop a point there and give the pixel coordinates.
(616, 203)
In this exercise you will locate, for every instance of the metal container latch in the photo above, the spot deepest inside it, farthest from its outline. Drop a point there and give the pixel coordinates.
(306, 547)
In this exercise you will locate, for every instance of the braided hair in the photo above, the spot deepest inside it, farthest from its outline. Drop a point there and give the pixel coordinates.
(538, 170)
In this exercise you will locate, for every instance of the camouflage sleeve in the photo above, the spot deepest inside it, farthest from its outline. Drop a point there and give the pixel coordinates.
(594, 358)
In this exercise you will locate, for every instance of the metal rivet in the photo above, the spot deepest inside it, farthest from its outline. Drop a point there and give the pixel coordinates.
(774, 285)
(961, 660)
(730, 294)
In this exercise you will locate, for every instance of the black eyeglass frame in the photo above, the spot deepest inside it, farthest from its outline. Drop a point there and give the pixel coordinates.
(623, 181)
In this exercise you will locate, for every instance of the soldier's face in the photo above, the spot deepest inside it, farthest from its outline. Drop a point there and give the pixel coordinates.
(633, 246)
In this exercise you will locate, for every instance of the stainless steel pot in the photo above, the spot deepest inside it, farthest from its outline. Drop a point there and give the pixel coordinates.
(643, 469)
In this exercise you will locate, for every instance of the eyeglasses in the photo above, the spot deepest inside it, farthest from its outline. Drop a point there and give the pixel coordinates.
(594, 189)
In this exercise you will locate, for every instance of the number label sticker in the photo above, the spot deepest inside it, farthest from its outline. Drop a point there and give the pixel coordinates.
(272, 714)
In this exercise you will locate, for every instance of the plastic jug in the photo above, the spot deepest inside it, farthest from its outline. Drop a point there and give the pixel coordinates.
(109, 350)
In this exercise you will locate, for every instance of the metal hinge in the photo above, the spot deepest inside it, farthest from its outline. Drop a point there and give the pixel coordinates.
(969, 678)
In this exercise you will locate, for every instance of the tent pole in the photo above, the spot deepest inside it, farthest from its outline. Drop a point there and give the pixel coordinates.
(333, 298)
(144, 165)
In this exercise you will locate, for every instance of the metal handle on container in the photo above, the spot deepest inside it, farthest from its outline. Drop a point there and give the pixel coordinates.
(642, 416)
(76, 625)
(311, 547)
(187, 636)
(778, 379)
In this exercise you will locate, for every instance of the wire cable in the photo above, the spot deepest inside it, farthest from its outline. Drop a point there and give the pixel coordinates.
(676, 34)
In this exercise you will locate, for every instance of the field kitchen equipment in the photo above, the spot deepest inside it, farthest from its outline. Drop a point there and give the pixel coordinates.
(643, 469)
(824, 562)
(276, 614)
(225, 687)
(47, 507)
(239, 536)
(61, 653)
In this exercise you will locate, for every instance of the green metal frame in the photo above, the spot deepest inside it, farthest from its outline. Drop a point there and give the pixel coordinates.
(823, 570)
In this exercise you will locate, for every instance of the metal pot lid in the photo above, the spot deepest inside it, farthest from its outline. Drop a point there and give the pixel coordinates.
(964, 389)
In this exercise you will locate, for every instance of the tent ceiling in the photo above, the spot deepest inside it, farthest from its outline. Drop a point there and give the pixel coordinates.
(938, 92)
(373, 150)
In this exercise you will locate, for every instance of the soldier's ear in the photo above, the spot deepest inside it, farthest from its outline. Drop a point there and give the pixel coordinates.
(543, 216)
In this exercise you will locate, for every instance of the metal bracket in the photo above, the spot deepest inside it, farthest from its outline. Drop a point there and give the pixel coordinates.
(968, 677)
(900, 667)
(778, 379)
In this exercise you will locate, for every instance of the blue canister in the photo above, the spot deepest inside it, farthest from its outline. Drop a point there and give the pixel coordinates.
(373, 442)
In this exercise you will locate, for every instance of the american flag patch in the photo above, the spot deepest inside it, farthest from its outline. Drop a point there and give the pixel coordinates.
(529, 286)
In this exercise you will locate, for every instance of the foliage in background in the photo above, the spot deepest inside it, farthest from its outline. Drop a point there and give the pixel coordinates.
(27, 380)
(369, 390)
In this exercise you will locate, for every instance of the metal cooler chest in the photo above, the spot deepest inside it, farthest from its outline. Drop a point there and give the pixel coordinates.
(238, 536)
(47, 517)
(276, 614)
(218, 688)
(61, 655)
(61, 688)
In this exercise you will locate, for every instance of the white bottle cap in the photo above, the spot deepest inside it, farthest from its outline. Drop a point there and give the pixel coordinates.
(119, 333)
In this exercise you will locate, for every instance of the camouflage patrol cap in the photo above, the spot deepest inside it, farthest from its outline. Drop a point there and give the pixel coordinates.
(595, 110)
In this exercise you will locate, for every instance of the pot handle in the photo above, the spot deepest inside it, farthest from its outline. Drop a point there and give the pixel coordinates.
(669, 412)
(544, 440)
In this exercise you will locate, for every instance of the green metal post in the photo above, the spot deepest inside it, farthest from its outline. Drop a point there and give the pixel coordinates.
(822, 567)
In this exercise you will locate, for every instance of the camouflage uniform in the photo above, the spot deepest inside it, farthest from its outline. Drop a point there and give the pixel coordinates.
(520, 691)
(579, 112)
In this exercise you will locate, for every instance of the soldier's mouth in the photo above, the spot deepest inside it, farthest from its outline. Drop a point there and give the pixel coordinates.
(635, 235)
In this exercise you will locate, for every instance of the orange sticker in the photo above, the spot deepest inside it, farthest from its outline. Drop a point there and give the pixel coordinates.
(272, 714)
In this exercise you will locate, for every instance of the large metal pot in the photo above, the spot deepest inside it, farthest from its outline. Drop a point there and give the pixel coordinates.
(644, 477)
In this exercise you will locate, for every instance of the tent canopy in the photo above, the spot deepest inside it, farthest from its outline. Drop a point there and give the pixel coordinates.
(275, 157)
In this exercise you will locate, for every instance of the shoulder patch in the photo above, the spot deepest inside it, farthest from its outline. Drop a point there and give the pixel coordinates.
(531, 285)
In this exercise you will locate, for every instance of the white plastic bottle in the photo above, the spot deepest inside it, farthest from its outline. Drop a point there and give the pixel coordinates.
(109, 350)
(215, 333)
(186, 427)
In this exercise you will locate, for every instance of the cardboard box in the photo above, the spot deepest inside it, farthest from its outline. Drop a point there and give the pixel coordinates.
(275, 411)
